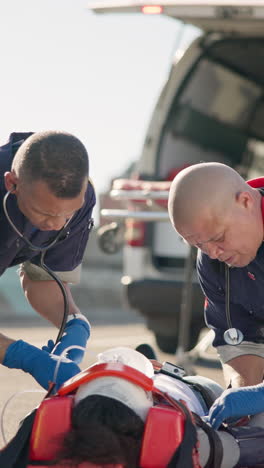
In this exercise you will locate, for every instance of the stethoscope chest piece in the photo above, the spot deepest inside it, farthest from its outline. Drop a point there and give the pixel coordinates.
(233, 336)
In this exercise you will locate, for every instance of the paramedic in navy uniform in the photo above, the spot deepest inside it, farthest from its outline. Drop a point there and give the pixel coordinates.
(214, 209)
(46, 175)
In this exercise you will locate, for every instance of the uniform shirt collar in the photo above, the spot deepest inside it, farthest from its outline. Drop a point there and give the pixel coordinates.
(258, 183)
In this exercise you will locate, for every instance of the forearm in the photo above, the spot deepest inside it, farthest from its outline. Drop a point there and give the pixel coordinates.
(40, 364)
(4, 344)
(47, 299)
(244, 370)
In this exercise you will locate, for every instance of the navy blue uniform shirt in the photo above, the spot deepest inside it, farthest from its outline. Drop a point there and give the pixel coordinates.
(246, 297)
(68, 253)
(246, 294)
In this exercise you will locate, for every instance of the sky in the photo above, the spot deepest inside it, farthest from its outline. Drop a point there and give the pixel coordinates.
(96, 76)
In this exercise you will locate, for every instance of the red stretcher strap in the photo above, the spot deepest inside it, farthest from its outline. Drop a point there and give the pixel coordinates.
(110, 369)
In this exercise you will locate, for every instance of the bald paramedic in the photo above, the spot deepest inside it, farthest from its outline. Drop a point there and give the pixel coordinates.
(212, 208)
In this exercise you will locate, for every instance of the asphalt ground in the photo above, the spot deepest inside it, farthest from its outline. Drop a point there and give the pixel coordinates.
(15, 384)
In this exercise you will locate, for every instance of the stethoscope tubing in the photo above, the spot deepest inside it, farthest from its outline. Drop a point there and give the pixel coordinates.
(232, 336)
(227, 299)
(42, 251)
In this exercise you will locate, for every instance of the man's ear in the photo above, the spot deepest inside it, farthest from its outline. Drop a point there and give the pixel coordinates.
(10, 181)
(245, 199)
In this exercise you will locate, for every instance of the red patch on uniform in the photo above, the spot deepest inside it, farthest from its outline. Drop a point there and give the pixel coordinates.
(206, 303)
(251, 276)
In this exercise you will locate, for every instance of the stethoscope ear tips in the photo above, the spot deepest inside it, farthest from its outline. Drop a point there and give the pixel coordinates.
(233, 336)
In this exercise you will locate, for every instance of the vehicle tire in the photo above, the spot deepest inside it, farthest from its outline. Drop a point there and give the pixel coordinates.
(108, 237)
(168, 344)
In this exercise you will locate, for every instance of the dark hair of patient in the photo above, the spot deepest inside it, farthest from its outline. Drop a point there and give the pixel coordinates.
(104, 431)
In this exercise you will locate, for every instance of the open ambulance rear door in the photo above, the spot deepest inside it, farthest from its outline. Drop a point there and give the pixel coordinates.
(210, 15)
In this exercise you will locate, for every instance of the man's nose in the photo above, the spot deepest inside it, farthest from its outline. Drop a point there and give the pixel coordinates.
(213, 251)
(55, 223)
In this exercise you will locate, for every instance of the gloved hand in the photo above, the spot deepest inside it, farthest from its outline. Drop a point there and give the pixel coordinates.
(236, 403)
(49, 346)
(77, 332)
(40, 364)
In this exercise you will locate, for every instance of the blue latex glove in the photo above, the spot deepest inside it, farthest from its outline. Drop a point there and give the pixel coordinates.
(236, 403)
(77, 332)
(49, 346)
(40, 364)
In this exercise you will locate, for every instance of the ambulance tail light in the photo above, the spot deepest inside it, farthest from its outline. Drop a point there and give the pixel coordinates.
(152, 9)
(135, 233)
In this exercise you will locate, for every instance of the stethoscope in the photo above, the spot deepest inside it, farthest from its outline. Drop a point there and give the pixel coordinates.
(42, 251)
(232, 336)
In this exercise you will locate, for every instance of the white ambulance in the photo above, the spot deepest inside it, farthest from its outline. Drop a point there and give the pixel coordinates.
(210, 109)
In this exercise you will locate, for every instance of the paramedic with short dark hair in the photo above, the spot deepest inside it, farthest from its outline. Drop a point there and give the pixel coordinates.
(44, 186)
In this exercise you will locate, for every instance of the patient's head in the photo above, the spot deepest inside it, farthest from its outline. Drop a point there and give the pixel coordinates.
(104, 432)
(109, 415)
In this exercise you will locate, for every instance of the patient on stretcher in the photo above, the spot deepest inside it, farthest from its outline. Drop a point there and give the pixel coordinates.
(127, 412)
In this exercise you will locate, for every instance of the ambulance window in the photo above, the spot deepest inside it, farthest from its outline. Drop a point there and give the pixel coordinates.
(256, 153)
(243, 54)
(222, 94)
(257, 122)
(210, 119)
